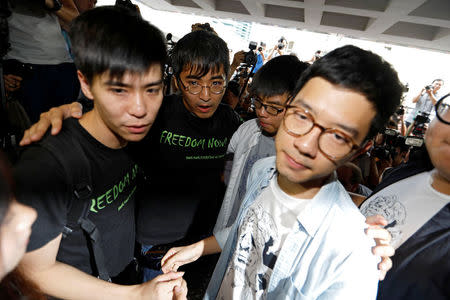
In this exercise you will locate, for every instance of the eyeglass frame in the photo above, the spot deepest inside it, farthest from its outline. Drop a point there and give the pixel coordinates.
(436, 109)
(279, 110)
(202, 86)
(354, 145)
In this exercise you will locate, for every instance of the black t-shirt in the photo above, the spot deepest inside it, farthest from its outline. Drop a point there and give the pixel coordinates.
(183, 158)
(421, 265)
(42, 184)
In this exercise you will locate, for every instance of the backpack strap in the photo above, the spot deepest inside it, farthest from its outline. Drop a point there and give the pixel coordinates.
(68, 152)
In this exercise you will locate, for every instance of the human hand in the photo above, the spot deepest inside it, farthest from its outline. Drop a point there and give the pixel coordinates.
(382, 239)
(179, 256)
(180, 292)
(238, 58)
(166, 286)
(12, 82)
(52, 118)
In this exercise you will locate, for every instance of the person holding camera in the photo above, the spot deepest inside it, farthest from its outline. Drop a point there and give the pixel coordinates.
(425, 100)
(260, 57)
(278, 49)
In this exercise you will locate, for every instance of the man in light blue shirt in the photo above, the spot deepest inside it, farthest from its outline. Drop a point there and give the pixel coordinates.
(298, 235)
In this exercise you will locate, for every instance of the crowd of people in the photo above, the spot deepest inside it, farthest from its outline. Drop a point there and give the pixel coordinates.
(295, 181)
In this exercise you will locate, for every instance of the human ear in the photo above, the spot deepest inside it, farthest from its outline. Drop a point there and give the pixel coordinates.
(85, 86)
(363, 149)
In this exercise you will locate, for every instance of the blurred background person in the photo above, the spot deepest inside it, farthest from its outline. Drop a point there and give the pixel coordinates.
(40, 57)
(15, 228)
(425, 100)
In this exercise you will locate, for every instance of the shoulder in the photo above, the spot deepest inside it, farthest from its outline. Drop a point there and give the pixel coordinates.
(263, 167)
(228, 114)
(247, 128)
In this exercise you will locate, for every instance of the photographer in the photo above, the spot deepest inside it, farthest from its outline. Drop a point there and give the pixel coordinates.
(425, 100)
(260, 58)
(278, 49)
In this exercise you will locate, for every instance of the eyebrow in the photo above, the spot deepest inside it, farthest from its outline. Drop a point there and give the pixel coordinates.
(270, 102)
(121, 84)
(212, 78)
(353, 131)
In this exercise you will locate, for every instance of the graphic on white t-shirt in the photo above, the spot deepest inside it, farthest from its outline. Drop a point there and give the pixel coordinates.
(261, 235)
(392, 209)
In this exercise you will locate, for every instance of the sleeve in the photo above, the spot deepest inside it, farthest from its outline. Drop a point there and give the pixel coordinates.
(40, 184)
(357, 279)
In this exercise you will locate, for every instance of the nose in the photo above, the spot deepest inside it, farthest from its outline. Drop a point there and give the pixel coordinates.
(137, 106)
(205, 93)
(262, 112)
(308, 144)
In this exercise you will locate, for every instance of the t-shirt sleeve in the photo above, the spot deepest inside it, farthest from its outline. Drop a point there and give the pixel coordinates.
(40, 183)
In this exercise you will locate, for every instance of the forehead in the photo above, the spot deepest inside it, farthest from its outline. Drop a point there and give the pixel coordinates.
(335, 106)
(202, 71)
(274, 99)
(153, 73)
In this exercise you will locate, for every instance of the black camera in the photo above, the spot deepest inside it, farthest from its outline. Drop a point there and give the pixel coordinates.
(250, 56)
(429, 87)
(400, 110)
(420, 122)
(422, 118)
(259, 49)
(392, 139)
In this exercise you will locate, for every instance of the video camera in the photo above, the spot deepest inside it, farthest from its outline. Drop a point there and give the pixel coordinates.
(281, 44)
(392, 141)
(250, 56)
(420, 124)
(400, 110)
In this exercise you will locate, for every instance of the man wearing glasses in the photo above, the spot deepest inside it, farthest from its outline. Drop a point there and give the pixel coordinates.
(418, 211)
(270, 89)
(184, 153)
(297, 234)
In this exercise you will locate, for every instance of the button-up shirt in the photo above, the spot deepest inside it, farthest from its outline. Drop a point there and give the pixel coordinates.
(326, 256)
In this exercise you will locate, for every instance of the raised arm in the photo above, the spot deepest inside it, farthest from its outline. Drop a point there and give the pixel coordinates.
(57, 279)
(179, 256)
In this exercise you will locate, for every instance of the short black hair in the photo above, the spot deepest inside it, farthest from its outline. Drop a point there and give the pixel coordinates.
(116, 40)
(278, 76)
(361, 71)
(202, 51)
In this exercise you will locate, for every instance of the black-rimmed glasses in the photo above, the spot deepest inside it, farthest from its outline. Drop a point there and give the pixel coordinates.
(270, 109)
(443, 109)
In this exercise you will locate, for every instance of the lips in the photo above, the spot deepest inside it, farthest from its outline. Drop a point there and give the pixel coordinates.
(294, 164)
(204, 108)
(137, 128)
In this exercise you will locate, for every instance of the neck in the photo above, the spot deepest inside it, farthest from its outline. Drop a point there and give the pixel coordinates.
(440, 183)
(93, 124)
(300, 190)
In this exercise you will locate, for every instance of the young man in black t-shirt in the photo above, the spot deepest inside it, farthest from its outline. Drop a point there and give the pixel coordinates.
(123, 76)
(183, 155)
(184, 152)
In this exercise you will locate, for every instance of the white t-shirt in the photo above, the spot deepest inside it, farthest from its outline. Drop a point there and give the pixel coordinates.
(407, 205)
(260, 238)
(37, 40)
